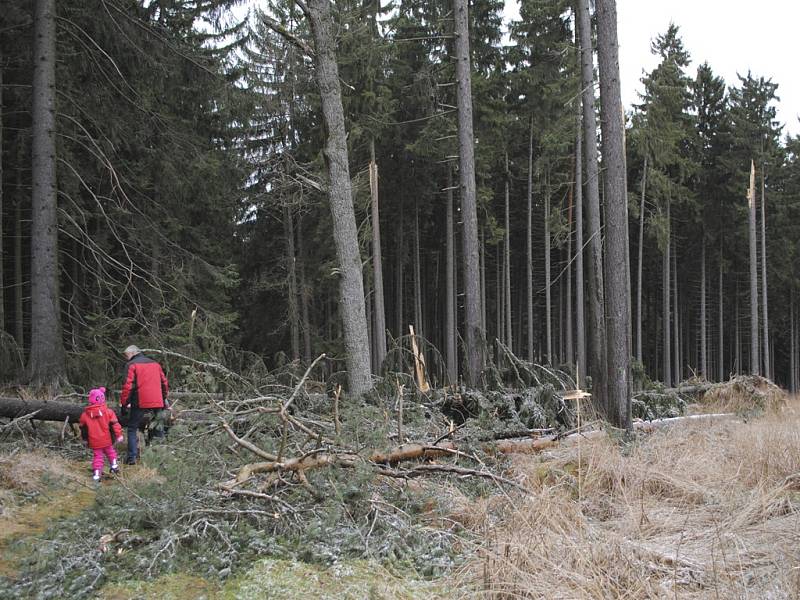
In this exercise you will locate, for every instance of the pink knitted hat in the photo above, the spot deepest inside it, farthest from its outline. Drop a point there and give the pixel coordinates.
(97, 396)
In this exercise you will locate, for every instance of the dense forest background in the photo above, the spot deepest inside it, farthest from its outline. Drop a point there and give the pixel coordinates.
(192, 211)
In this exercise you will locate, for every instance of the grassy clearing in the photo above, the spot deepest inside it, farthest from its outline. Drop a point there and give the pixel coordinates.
(698, 511)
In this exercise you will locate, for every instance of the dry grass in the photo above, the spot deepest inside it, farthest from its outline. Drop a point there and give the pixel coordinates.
(696, 511)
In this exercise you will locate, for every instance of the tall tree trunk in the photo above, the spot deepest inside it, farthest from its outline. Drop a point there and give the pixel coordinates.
(509, 335)
(568, 347)
(419, 329)
(703, 331)
(720, 322)
(595, 284)
(377, 263)
(767, 364)
(639, 268)
(738, 349)
(354, 319)
(792, 346)
(579, 301)
(401, 254)
(676, 321)
(19, 285)
(667, 350)
(498, 302)
(547, 292)
(616, 210)
(473, 335)
(291, 274)
(305, 318)
(754, 359)
(483, 278)
(529, 244)
(2, 239)
(450, 334)
(46, 363)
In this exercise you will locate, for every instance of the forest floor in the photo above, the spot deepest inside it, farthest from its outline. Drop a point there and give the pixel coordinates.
(699, 510)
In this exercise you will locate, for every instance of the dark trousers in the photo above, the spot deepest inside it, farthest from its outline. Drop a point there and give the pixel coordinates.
(133, 426)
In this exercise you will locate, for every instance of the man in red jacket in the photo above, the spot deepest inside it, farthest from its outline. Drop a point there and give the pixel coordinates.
(145, 390)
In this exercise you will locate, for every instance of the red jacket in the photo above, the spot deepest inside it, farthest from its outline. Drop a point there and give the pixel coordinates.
(97, 424)
(145, 384)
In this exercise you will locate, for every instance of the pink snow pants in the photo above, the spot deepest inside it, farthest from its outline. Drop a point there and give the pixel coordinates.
(97, 459)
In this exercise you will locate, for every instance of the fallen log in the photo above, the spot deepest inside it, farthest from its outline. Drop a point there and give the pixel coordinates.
(54, 410)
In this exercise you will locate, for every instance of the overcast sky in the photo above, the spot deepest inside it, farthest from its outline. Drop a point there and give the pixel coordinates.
(732, 35)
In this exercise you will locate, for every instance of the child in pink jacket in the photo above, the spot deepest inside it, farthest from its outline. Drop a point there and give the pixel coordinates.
(99, 428)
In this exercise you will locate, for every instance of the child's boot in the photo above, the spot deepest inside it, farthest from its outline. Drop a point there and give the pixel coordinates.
(114, 467)
(96, 475)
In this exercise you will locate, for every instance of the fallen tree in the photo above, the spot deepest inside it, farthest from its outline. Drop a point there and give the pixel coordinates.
(54, 410)
(381, 460)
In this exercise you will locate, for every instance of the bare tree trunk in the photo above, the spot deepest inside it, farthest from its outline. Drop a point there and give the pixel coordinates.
(450, 334)
(738, 349)
(291, 271)
(617, 279)
(579, 300)
(474, 336)
(703, 332)
(595, 284)
(667, 352)
(529, 244)
(498, 302)
(720, 323)
(483, 278)
(509, 335)
(304, 294)
(418, 325)
(754, 359)
(547, 291)
(792, 346)
(46, 363)
(676, 321)
(353, 312)
(570, 358)
(399, 274)
(767, 364)
(19, 312)
(639, 268)
(2, 251)
(377, 263)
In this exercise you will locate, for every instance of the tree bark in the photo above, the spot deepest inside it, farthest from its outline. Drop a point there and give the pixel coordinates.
(595, 284)
(399, 273)
(509, 335)
(473, 334)
(19, 284)
(46, 364)
(579, 299)
(666, 329)
(676, 320)
(767, 363)
(304, 294)
(639, 268)
(529, 244)
(754, 358)
(377, 263)
(418, 325)
(353, 312)
(2, 239)
(720, 323)
(568, 347)
(547, 292)
(703, 331)
(450, 334)
(291, 273)
(616, 210)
